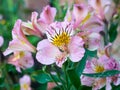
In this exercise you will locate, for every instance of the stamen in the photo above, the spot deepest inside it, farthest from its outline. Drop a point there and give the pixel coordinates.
(99, 68)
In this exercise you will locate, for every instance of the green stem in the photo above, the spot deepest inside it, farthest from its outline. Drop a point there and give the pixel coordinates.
(54, 79)
(63, 83)
(66, 76)
(106, 36)
(9, 82)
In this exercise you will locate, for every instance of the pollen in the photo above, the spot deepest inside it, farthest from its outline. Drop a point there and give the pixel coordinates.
(25, 86)
(99, 69)
(61, 39)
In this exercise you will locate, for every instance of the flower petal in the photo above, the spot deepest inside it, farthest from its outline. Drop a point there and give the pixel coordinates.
(80, 11)
(1, 41)
(48, 14)
(94, 40)
(21, 60)
(76, 49)
(47, 52)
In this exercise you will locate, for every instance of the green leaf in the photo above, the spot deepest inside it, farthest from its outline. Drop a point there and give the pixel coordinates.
(72, 88)
(81, 65)
(113, 31)
(2, 84)
(33, 39)
(41, 77)
(103, 74)
(91, 53)
(74, 78)
(16, 87)
(42, 87)
(10, 68)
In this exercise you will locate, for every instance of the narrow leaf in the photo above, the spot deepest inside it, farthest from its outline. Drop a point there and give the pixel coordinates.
(108, 73)
(81, 65)
(74, 78)
(113, 31)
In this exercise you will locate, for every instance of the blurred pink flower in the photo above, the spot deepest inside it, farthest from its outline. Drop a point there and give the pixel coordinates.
(21, 60)
(84, 19)
(25, 82)
(93, 24)
(104, 63)
(92, 40)
(38, 26)
(1, 41)
(103, 8)
(104, 50)
(60, 44)
(48, 14)
(80, 12)
(19, 42)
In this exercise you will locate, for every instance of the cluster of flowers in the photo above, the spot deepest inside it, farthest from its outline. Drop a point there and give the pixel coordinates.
(80, 30)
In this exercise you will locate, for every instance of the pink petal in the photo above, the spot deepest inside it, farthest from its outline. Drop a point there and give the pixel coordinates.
(68, 16)
(60, 59)
(80, 11)
(94, 40)
(109, 11)
(47, 52)
(117, 82)
(36, 24)
(26, 61)
(19, 35)
(57, 28)
(76, 49)
(93, 24)
(1, 41)
(28, 29)
(21, 60)
(48, 14)
(25, 80)
(18, 45)
(108, 84)
(87, 81)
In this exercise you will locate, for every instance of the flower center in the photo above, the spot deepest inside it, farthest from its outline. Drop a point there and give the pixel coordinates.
(25, 86)
(99, 69)
(18, 55)
(61, 39)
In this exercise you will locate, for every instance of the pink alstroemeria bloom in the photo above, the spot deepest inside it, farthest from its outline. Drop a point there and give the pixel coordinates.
(104, 63)
(104, 8)
(93, 24)
(1, 41)
(19, 42)
(60, 44)
(104, 50)
(80, 13)
(25, 82)
(21, 60)
(38, 26)
(92, 40)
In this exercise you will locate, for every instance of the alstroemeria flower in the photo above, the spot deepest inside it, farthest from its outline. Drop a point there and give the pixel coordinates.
(1, 41)
(21, 60)
(104, 50)
(92, 40)
(48, 14)
(19, 42)
(93, 24)
(38, 26)
(25, 82)
(80, 14)
(104, 8)
(104, 63)
(61, 43)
